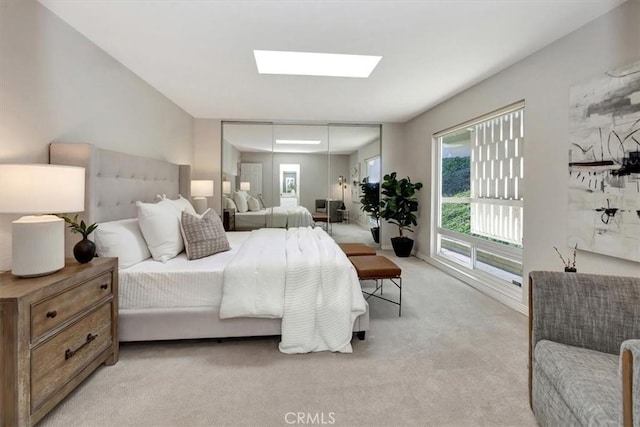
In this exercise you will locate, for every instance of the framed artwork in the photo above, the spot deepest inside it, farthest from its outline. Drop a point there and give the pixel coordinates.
(289, 182)
(604, 164)
(355, 181)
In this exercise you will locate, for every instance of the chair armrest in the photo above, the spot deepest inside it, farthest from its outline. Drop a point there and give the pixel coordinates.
(630, 379)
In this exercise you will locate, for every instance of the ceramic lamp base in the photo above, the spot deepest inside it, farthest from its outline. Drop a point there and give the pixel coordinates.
(200, 204)
(38, 245)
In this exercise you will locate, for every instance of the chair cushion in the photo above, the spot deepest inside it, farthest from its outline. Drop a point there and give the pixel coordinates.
(587, 380)
(375, 267)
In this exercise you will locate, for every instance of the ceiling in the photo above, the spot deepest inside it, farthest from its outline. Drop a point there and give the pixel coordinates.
(200, 53)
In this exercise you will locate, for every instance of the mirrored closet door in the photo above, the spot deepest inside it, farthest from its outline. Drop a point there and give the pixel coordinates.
(300, 172)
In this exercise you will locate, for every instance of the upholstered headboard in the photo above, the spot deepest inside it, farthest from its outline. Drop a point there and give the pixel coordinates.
(115, 181)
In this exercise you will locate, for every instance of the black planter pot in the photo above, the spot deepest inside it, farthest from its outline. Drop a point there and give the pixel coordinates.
(84, 251)
(375, 232)
(402, 246)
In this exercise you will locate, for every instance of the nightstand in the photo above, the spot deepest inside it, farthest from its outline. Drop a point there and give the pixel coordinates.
(56, 330)
(229, 219)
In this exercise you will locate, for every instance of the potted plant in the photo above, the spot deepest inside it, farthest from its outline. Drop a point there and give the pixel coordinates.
(399, 204)
(370, 203)
(85, 249)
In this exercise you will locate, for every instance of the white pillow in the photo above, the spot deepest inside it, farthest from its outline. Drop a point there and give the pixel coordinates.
(122, 239)
(181, 204)
(244, 193)
(240, 201)
(253, 204)
(229, 204)
(160, 225)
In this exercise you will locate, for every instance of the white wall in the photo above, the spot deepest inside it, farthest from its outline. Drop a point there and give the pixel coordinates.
(543, 81)
(207, 157)
(59, 86)
(395, 155)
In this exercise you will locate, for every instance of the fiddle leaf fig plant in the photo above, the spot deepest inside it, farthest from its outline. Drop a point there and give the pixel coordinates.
(399, 202)
(81, 227)
(370, 199)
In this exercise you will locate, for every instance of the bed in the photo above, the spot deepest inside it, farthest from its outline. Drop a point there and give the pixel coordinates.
(274, 217)
(161, 301)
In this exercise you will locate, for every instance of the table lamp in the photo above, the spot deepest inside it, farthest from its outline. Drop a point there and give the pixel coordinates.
(200, 190)
(245, 186)
(38, 240)
(226, 187)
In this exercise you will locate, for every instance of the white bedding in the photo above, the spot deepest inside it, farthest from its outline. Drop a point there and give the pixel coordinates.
(319, 299)
(275, 217)
(178, 282)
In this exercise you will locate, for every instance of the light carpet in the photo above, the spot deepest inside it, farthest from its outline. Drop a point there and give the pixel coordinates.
(454, 358)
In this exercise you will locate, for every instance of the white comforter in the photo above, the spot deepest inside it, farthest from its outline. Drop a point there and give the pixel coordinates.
(302, 276)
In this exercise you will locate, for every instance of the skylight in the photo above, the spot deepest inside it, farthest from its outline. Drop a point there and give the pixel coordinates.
(315, 64)
(297, 141)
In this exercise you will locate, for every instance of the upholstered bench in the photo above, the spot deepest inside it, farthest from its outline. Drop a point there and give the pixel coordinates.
(356, 249)
(379, 268)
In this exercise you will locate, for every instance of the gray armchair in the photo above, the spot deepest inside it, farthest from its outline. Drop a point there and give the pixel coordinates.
(584, 349)
(330, 207)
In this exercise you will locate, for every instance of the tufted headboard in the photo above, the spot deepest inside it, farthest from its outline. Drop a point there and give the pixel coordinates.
(115, 181)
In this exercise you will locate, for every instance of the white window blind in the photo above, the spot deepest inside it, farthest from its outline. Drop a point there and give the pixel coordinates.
(497, 174)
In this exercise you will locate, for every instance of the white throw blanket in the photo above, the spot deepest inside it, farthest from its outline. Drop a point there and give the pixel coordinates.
(276, 217)
(254, 280)
(282, 217)
(320, 294)
(299, 217)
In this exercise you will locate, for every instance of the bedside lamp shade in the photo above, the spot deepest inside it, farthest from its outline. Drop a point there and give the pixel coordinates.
(38, 240)
(245, 186)
(226, 187)
(200, 190)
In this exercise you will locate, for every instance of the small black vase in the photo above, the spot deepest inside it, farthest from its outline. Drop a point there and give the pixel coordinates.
(84, 251)
(570, 270)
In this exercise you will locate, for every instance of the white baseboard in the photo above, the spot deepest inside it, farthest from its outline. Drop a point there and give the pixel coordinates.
(477, 284)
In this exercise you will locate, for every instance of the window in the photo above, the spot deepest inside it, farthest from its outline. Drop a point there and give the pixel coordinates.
(479, 198)
(373, 169)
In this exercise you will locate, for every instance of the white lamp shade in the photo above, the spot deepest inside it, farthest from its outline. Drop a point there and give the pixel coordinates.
(41, 189)
(202, 188)
(226, 187)
(245, 186)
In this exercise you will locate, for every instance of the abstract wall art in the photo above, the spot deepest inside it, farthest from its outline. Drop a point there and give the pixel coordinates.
(604, 164)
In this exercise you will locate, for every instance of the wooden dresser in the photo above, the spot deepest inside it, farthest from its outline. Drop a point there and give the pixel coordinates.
(55, 331)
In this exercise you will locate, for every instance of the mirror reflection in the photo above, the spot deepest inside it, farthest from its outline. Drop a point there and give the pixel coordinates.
(291, 175)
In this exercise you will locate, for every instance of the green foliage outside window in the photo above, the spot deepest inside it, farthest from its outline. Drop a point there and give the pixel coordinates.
(456, 176)
(457, 216)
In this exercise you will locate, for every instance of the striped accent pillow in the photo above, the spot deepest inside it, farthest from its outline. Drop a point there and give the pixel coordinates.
(203, 235)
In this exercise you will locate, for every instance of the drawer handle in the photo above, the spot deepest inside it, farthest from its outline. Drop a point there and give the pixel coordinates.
(70, 353)
(104, 286)
(52, 314)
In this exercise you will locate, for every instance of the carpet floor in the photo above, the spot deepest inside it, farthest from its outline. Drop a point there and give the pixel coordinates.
(455, 358)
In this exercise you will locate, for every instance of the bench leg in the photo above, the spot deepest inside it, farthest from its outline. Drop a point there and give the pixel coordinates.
(400, 300)
(361, 335)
